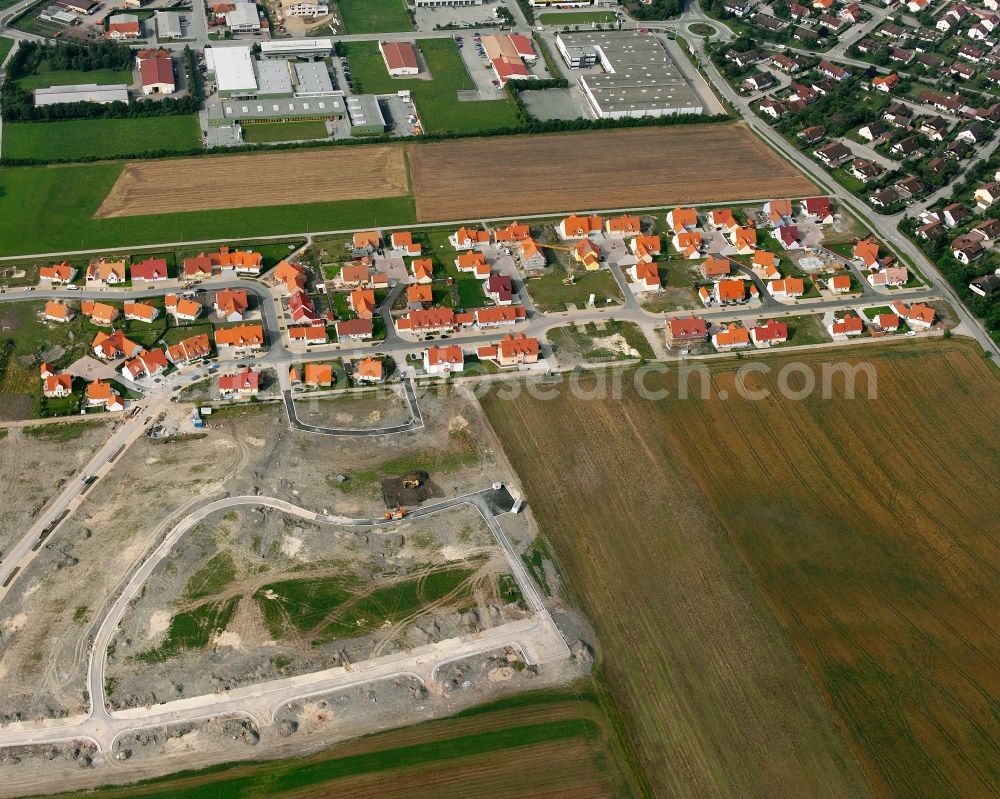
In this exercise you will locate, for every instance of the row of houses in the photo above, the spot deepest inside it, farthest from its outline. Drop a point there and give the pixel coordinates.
(511, 351)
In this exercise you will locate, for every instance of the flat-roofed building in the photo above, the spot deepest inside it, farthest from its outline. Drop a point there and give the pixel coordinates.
(168, 25)
(82, 93)
(273, 109)
(640, 78)
(312, 79)
(296, 48)
(302, 8)
(365, 115)
(233, 69)
(274, 78)
(243, 18)
(442, 3)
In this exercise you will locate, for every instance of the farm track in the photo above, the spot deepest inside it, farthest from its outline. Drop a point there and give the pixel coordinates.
(261, 179)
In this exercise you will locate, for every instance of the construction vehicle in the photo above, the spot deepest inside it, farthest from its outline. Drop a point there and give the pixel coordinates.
(391, 515)
(411, 482)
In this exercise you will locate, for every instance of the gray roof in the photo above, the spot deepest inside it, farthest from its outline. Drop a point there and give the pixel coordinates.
(168, 25)
(312, 78)
(639, 74)
(283, 108)
(363, 109)
(85, 92)
(273, 78)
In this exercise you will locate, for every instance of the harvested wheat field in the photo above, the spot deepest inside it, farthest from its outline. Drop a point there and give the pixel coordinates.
(599, 169)
(249, 181)
(795, 598)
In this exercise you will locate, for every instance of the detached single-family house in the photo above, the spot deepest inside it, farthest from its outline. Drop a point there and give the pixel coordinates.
(57, 386)
(369, 370)
(849, 325)
(146, 364)
(245, 383)
(684, 332)
(622, 226)
(419, 296)
(57, 273)
(579, 227)
(100, 392)
(771, 332)
(469, 238)
(866, 251)
(150, 271)
(731, 338)
(318, 375)
(954, 214)
(987, 194)
(765, 265)
(105, 273)
(423, 270)
(182, 308)
(890, 277)
(839, 284)
(474, 262)
(114, 345)
(513, 350)
(833, 155)
(687, 244)
(365, 242)
(531, 254)
(713, 268)
(967, 248)
(788, 288)
(788, 235)
(350, 330)
(443, 360)
(140, 311)
(499, 288)
(918, 316)
(645, 277)
(818, 210)
(403, 244)
(100, 313)
(645, 248)
(231, 305)
(513, 233)
(362, 302)
(682, 219)
(778, 212)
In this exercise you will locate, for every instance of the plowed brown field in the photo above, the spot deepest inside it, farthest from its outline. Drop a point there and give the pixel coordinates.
(250, 181)
(473, 178)
(728, 551)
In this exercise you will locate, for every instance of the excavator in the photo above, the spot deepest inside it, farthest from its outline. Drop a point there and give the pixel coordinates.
(391, 515)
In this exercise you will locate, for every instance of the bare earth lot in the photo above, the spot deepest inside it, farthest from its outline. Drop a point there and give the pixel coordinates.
(202, 184)
(786, 589)
(599, 169)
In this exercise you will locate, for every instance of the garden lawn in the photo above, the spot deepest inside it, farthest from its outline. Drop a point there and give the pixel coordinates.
(436, 100)
(374, 16)
(284, 131)
(33, 196)
(5, 44)
(577, 18)
(99, 138)
(72, 77)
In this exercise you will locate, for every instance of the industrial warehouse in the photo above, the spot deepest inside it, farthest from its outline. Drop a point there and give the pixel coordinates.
(639, 77)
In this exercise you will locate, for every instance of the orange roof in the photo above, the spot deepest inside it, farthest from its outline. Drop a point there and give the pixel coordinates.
(790, 286)
(58, 310)
(851, 323)
(689, 242)
(232, 301)
(731, 290)
(369, 367)
(683, 218)
(190, 348)
(61, 271)
(504, 313)
(888, 321)
(307, 333)
(240, 336)
(451, 354)
(779, 209)
(732, 336)
(475, 235)
(365, 239)
(187, 308)
(529, 249)
(515, 231)
(745, 237)
(243, 258)
(867, 251)
(647, 273)
(723, 217)
(100, 313)
(197, 265)
(840, 282)
(646, 246)
(354, 273)
(140, 310)
(99, 390)
(771, 331)
(419, 293)
(402, 238)
(715, 267)
(56, 382)
(624, 224)
(292, 275)
(690, 327)
(582, 225)
(363, 302)
(427, 318)
(423, 269)
(765, 259)
(473, 260)
(104, 270)
(319, 374)
(518, 344)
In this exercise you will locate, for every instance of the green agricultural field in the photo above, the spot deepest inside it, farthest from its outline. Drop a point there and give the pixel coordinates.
(33, 196)
(284, 131)
(59, 77)
(99, 138)
(543, 743)
(436, 100)
(374, 16)
(577, 18)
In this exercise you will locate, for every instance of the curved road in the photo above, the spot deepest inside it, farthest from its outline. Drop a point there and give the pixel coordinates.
(416, 421)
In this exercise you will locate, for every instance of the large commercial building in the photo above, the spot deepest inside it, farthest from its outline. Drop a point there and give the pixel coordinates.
(156, 72)
(280, 110)
(640, 78)
(243, 18)
(507, 54)
(83, 93)
(281, 90)
(365, 115)
(233, 70)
